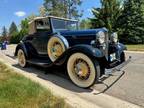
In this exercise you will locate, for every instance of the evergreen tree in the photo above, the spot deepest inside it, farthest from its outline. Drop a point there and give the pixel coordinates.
(17, 36)
(131, 22)
(4, 34)
(13, 29)
(4, 31)
(107, 15)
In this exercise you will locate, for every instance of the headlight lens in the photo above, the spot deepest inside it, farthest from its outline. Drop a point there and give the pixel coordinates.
(101, 37)
(114, 37)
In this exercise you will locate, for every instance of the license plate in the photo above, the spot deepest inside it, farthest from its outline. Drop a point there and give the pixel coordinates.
(112, 57)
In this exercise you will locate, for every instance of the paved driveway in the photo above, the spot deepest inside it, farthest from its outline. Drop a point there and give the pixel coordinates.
(130, 84)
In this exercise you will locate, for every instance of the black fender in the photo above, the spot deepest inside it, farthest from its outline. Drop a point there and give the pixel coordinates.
(22, 46)
(86, 49)
(90, 51)
(121, 47)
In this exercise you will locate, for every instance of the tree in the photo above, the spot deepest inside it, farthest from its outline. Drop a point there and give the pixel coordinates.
(24, 28)
(85, 24)
(4, 31)
(107, 15)
(31, 17)
(63, 8)
(4, 34)
(13, 29)
(17, 36)
(72, 8)
(42, 11)
(14, 38)
(131, 22)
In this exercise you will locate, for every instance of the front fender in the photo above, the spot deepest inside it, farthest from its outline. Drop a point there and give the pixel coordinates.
(121, 47)
(88, 50)
(23, 47)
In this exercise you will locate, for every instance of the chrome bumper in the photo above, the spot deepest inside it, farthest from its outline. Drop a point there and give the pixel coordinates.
(117, 68)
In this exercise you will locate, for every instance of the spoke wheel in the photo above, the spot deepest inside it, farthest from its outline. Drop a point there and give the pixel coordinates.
(21, 58)
(82, 70)
(56, 48)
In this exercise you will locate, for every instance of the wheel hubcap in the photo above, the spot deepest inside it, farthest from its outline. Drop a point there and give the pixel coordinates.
(81, 69)
(57, 50)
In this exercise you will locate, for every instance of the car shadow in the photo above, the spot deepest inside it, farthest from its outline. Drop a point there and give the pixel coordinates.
(58, 76)
(13, 57)
(55, 75)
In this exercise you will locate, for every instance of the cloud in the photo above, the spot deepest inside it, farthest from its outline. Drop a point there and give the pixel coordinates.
(20, 13)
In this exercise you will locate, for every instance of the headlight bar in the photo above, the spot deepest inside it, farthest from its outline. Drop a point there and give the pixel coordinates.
(114, 37)
(100, 36)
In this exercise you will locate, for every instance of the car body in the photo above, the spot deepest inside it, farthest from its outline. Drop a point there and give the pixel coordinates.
(58, 41)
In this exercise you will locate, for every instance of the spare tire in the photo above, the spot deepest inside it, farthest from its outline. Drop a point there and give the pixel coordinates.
(57, 45)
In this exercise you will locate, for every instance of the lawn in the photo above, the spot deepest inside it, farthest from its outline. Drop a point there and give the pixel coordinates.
(139, 47)
(16, 91)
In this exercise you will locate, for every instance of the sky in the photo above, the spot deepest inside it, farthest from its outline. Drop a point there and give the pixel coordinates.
(16, 10)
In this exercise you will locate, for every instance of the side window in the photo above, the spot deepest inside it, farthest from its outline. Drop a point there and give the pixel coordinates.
(42, 25)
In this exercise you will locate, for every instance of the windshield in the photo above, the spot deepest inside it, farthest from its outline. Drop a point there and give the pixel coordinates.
(61, 24)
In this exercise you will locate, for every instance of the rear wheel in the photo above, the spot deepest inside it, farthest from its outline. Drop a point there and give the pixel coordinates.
(21, 58)
(82, 70)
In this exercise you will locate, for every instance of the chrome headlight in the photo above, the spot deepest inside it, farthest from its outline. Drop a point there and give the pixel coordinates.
(101, 37)
(114, 37)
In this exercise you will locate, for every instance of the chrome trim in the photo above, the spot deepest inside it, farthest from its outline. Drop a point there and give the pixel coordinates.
(107, 45)
(117, 68)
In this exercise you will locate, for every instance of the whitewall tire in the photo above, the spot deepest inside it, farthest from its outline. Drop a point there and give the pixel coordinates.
(82, 70)
(21, 58)
(56, 47)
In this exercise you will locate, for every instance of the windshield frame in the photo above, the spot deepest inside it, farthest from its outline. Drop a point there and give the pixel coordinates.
(55, 30)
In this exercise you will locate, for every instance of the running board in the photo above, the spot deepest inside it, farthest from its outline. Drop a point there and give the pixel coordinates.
(42, 63)
(117, 68)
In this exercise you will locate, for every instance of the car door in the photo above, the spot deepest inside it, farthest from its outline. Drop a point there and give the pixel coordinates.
(41, 37)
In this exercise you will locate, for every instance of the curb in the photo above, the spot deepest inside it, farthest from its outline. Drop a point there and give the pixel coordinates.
(137, 52)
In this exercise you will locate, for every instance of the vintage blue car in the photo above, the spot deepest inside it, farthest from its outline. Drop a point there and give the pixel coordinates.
(58, 41)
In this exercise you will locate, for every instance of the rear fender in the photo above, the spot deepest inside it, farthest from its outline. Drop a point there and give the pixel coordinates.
(23, 47)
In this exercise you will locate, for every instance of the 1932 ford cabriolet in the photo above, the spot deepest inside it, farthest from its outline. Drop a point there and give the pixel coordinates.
(58, 41)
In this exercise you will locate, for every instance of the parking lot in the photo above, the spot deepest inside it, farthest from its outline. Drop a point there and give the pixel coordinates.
(127, 84)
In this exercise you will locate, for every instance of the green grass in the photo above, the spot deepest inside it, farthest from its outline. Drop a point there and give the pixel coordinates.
(139, 47)
(16, 91)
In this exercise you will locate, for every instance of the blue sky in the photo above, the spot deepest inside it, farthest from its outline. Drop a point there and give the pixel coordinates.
(16, 10)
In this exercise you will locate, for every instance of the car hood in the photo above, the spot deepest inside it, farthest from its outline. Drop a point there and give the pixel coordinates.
(88, 32)
(80, 36)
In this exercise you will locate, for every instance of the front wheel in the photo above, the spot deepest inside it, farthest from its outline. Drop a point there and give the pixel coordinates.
(82, 70)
